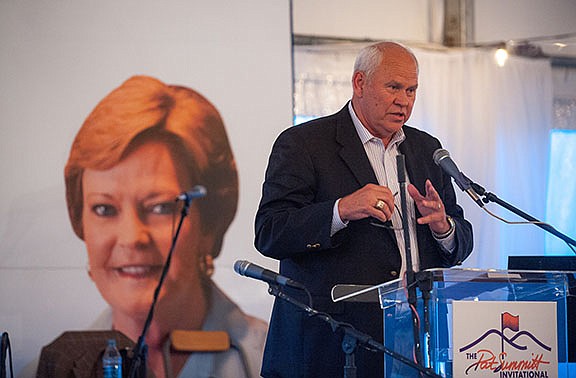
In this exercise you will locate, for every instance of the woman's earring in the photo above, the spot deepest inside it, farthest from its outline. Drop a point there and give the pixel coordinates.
(207, 265)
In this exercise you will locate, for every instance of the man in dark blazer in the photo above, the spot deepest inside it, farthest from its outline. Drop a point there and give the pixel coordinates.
(330, 212)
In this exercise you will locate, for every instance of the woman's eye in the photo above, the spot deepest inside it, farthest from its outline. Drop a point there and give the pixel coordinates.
(167, 208)
(104, 210)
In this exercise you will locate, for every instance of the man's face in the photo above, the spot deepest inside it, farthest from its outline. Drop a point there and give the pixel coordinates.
(384, 101)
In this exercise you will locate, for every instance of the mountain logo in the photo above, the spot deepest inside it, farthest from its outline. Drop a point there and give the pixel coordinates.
(508, 350)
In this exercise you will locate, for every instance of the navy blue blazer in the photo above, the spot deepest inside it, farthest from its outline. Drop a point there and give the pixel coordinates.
(310, 167)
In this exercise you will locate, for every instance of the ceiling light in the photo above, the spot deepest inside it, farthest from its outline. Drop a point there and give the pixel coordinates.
(501, 56)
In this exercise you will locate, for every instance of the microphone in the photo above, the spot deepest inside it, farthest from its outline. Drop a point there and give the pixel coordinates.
(197, 192)
(246, 268)
(443, 160)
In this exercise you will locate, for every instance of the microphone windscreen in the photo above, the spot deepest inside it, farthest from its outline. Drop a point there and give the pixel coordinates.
(240, 267)
(440, 154)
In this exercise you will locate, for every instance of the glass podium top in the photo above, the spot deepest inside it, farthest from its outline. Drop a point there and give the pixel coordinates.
(463, 278)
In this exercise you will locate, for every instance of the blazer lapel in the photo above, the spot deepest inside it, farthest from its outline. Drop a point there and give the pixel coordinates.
(354, 155)
(352, 152)
(413, 166)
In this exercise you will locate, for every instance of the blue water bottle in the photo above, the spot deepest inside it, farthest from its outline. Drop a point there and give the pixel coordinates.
(112, 361)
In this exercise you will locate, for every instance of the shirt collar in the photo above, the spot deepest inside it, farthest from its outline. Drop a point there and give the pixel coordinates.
(365, 135)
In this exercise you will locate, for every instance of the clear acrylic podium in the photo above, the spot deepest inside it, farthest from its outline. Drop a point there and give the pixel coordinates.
(447, 286)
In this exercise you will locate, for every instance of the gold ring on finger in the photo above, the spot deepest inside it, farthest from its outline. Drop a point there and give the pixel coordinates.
(380, 204)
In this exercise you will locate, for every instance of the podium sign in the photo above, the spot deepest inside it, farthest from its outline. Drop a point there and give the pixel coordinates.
(451, 291)
(504, 339)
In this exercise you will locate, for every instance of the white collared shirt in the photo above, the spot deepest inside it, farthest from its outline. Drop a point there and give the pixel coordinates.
(383, 162)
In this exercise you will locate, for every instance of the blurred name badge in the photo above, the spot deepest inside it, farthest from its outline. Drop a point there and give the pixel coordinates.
(505, 339)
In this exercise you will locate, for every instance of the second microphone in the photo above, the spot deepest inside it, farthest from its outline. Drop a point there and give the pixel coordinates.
(246, 268)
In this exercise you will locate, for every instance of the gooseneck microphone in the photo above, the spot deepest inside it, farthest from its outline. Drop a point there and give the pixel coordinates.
(197, 192)
(443, 160)
(246, 268)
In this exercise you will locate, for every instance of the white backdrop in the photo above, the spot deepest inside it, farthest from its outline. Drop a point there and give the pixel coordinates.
(57, 60)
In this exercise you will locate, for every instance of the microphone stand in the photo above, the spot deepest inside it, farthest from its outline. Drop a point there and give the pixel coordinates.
(490, 197)
(5, 351)
(410, 274)
(138, 362)
(352, 337)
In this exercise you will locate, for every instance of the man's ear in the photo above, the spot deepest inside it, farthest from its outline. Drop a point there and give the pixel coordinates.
(358, 82)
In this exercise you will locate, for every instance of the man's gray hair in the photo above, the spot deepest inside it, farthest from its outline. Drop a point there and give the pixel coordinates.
(370, 57)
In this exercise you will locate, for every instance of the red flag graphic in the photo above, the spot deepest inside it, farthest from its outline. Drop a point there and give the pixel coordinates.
(510, 321)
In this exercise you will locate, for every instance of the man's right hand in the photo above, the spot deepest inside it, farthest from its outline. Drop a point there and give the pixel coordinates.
(369, 201)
